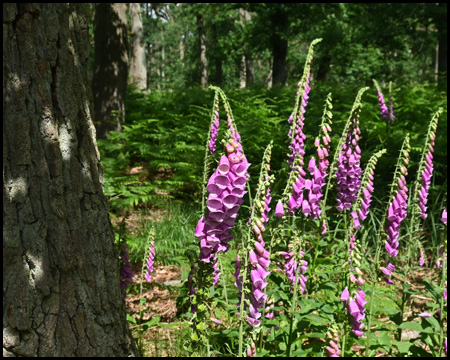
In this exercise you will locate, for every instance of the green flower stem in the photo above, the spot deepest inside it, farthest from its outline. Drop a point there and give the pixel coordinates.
(293, 308)
(441, 319)
(264, 307)
(241, 308)
(372, 296)
(347, 277)
(147, 244)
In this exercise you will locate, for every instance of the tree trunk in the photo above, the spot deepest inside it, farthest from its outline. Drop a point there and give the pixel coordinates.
(247, 76)
(243, 73)
(110, 66)
(250, 72)
(269, 76)
(441, 58)
(138, 70)
(202, 44)
(61, 292)
(280, 25)
(217, 57)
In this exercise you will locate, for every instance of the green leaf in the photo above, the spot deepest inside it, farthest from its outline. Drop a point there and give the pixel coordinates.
(194, 336)
(131, 319)
(413, 326)
(431, 322)
(402, 346)
(201, 326)
(153, 321)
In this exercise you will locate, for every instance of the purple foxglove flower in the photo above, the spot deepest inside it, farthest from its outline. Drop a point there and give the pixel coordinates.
(279, 209)
(353, 308)
(386, 271)
(421, 259)
(151, 256)
(324, 227)
(425, 314)
(225, 188)
(444, 216)
(345, 295)
(349, 172)
(384, 109)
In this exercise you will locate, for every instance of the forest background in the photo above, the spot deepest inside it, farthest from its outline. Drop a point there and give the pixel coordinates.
(150, 68)
(255, 53)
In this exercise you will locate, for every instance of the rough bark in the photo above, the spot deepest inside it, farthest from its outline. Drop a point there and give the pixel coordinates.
(202, 45)
(138, 69)
(110, 66)
(61, 293)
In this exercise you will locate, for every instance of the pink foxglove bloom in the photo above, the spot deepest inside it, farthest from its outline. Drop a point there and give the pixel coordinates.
(296, 269)
(259, 256)
(151, 256)
(345, 295)
(333, 347)
(251, 351)
(444, 216)
(279, 209)
(426, 166)
(384, 109)
(216, 271)
(421, 259)
(349, 171)
(396, 214)
(425, 314)
(357, 310)
(226, 190)
(259, 260)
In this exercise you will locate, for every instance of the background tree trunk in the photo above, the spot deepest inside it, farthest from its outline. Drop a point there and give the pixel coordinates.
(61, 293)
(202, 45)
(441, 25)
(110, 66)
(280, 25)
(138, 70)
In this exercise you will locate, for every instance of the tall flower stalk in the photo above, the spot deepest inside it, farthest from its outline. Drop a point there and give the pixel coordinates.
(146, 263)
(422, 184)
(397, 209)
(398, 188)
(354, 116)
(251, 276)
(293, 193)
(384, 109)
(223, 193)
(354, 295)
(318, 166)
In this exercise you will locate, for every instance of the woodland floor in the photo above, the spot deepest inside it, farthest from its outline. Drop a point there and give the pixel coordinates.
(161, 293)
